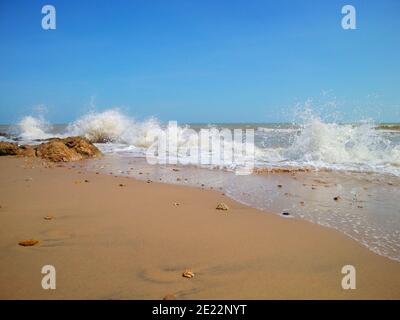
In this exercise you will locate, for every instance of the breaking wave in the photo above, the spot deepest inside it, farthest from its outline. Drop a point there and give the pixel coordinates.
(32, 128)
(314, 142)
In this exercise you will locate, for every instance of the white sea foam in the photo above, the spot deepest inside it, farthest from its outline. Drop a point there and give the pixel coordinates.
(341, 146)
(34, 128)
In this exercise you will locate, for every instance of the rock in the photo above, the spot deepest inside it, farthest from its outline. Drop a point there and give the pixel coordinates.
(188, 274)
(285, 213)
(26, 151)
(82, 146)
(279, 186)
(222, 206)
(176, 204)
(337, 198)
(86, 180)
(57, 151)
(121, 185)
(8, 149)
(68, 149)
(178, 179)
(5, 135)
(170, 296)
(148, 181)
(28, 243)
(48, 217)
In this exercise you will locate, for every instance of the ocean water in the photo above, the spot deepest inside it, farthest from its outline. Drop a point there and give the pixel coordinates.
(358, 162)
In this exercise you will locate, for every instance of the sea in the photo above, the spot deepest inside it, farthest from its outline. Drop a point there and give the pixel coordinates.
(344, 176)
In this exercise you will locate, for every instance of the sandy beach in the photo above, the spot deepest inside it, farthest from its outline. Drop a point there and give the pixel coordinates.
(121, 238)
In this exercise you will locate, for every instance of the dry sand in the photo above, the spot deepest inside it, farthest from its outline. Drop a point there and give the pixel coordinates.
(108, 241)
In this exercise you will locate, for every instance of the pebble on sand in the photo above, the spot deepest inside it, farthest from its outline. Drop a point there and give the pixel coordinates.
(222, 206)
(188, 274)
(337, 198)
(279, 186)
(48, 217)
(285, 213)
(121, 185)
(28, 243)
(176, 204)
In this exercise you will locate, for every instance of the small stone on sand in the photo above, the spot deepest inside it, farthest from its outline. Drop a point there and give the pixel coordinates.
(279, 186)
(222, 206)
(121, 185)
(285, 213)
(337, 198)
(188, 274)
(48, 217)
(176, 204)
(86, 180)
(28, 243)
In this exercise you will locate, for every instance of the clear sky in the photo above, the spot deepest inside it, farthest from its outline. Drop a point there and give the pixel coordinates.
(200, 60)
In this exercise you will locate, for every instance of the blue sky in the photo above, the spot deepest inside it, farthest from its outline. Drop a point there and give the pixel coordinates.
(200, 61)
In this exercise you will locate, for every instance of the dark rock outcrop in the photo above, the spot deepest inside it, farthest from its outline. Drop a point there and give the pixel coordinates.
(8, 149)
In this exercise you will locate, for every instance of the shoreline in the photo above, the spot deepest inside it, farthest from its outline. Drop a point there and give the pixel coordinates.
(108, 241)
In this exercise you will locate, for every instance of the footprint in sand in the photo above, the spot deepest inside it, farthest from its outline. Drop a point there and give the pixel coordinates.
(56, 237)
(165, 275)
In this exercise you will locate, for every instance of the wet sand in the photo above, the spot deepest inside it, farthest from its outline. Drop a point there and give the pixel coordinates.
(121, 238)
